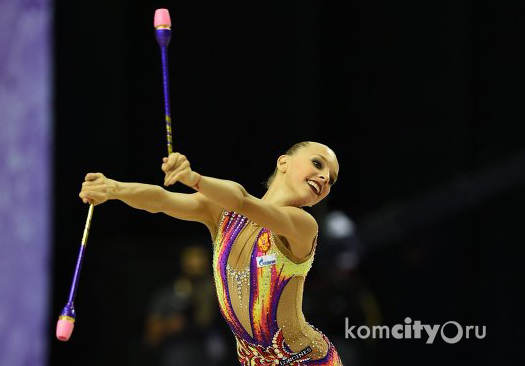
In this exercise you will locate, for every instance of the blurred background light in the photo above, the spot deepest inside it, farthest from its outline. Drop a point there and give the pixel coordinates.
(339, 225)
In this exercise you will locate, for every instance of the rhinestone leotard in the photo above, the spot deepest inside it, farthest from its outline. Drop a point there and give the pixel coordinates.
(259, 284)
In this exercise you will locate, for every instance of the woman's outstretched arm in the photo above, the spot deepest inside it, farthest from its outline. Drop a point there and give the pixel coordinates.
(98, 189)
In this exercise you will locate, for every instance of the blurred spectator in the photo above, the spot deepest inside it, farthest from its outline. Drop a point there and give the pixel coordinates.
(181, 325)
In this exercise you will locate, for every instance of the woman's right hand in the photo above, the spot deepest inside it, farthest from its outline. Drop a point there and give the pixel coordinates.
(97, 189)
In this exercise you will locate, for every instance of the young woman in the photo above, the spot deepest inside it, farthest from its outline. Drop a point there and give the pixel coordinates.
(262, 248)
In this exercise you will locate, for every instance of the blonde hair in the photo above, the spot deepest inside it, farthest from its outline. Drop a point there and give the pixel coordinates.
(290, 151)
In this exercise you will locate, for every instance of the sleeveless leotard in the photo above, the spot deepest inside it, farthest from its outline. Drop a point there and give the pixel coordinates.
(259, 285)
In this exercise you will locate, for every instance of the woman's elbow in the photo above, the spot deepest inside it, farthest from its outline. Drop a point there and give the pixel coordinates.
(238, 199)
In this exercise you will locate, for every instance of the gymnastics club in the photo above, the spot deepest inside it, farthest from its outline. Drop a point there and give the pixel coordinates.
(66, 320)
(162, 23)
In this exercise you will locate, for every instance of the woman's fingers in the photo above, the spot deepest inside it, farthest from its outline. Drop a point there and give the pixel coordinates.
(172, 160)
(94, 189)
(182, 173)
(83, 197)
(175, 159)
(92, 183)
(169, 162)
(93, 197)
(171, 168)
(176, 168)
(168, 180)
(94, 192)
(179, 176)
(95, 186)
(93, 176)
(171, 177)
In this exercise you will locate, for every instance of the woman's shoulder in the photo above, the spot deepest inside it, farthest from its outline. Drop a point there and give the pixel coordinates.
(301, 245)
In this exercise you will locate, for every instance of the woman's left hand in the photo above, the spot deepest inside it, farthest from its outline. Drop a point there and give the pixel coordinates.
(177, 169)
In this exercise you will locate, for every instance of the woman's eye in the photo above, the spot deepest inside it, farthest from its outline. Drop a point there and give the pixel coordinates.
(317, 164)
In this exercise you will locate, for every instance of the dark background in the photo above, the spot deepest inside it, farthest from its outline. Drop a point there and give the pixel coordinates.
(421, 101)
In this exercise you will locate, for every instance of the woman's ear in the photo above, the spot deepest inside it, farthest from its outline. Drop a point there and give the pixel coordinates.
(282, 163)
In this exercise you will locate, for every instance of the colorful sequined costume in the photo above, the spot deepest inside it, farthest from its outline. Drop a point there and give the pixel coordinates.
(259, 285)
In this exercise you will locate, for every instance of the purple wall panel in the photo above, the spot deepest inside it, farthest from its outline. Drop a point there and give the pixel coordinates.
(25, 177)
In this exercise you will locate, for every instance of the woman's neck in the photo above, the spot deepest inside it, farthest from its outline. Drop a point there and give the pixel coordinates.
(277, 197)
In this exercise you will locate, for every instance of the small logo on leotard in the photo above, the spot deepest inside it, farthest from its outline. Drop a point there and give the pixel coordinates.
(296, 356)
(266, 260)
(263, 243)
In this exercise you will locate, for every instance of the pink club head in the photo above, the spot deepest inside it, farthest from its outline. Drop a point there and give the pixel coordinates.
(162, 18)
(64, 329)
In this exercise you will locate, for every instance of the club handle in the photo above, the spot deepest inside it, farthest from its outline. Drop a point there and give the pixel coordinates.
(66, 320)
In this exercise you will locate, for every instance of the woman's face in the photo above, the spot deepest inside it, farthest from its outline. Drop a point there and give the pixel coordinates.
(311, 172)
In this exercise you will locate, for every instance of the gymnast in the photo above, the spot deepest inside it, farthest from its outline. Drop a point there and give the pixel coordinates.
(263, 247)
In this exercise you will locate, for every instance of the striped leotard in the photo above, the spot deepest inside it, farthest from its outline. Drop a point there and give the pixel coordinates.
(259, 285)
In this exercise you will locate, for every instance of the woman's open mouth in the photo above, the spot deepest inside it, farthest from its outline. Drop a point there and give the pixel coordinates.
(314, 186)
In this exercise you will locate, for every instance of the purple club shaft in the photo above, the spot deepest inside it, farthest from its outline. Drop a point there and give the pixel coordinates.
(163, 36)
(76, 276)
(69, 309)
